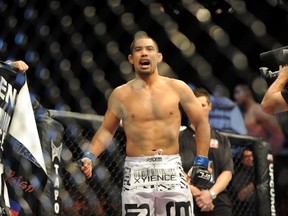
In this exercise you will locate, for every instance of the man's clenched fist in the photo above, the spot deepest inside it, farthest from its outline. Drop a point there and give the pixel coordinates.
(199, 174)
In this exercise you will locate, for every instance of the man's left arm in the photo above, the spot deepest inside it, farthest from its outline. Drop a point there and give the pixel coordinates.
(196, 115)
(199, 173)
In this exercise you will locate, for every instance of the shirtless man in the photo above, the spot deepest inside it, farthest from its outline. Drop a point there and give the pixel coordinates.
(148, 106)
(258, 123)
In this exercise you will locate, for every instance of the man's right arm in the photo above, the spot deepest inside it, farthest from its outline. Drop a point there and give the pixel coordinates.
(274, 99)
(102, 137)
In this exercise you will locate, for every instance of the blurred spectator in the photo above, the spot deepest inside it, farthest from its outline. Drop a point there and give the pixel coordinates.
(225, 114)
(242, 185)
(257, 122)
(213, 200)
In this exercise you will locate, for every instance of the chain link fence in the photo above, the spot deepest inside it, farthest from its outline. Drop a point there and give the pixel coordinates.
(101, 195)
(67, 191)
(242, 177)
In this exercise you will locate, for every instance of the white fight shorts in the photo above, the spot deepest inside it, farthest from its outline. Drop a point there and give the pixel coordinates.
(155, 185)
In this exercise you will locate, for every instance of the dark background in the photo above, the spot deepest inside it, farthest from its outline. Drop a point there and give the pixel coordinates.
(77, 49)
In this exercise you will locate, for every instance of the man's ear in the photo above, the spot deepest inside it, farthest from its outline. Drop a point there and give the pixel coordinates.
(160, 57)
(210, 106)
(130, 59)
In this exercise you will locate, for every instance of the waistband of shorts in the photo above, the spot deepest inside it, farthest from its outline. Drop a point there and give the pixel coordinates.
(155, 158)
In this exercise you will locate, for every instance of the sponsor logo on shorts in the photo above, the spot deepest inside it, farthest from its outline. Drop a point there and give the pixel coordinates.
(154, 159)
(143, 209)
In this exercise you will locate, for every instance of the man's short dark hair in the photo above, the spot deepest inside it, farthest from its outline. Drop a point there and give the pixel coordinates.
(247, 148)
(202, 92)
(141, 37)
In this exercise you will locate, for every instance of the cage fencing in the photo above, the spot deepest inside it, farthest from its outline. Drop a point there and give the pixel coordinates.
(261, 198)
(65, 136)
(54, 184)
(101, 195)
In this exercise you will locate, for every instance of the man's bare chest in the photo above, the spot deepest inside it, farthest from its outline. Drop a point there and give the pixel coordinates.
(150, 108)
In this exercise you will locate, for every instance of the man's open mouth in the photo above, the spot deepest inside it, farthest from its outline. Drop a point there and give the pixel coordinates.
(144, 63)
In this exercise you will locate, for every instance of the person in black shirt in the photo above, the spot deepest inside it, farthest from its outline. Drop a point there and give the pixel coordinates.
(214, 200)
